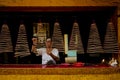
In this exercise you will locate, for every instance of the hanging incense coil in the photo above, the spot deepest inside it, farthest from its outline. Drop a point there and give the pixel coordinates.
(22, 48)
(5, 39)
(94, 43)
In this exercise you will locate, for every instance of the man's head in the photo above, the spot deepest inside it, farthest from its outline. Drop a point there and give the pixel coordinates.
(48, 43)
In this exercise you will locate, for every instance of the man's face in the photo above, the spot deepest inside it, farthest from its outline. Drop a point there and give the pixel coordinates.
(48, 44)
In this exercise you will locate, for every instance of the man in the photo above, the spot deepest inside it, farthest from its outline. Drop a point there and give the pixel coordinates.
(49, 55)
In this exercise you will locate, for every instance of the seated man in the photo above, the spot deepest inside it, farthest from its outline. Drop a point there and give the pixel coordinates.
(49, 55)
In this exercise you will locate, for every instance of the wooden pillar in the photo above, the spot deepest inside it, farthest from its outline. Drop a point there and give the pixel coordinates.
(119, 39)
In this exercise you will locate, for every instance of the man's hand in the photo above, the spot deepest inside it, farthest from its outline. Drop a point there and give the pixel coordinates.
(49, 51)
(35, 41)
(34, 49)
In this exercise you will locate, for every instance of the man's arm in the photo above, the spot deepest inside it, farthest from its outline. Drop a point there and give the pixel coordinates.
(54, 55)
(36, 51)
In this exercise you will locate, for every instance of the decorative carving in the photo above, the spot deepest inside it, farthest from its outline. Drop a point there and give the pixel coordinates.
(41, 30)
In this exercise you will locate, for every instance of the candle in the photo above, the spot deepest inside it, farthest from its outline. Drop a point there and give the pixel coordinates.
(66, 43)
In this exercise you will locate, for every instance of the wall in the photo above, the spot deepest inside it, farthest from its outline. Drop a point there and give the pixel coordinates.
(57, 2)
(60, 3)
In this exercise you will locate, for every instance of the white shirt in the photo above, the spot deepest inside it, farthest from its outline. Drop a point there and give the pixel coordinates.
(46, 57)
(114, 63)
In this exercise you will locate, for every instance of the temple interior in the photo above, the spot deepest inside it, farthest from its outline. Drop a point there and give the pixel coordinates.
(85, 32)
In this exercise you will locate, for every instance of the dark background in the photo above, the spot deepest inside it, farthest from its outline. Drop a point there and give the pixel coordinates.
(66, 20)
